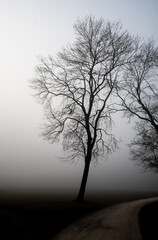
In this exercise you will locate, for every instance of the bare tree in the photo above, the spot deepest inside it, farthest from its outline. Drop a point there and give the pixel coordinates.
(145, 146)
(82, 78)
(139, 97)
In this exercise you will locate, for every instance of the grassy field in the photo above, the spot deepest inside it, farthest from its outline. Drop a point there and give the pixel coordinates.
(40, 215)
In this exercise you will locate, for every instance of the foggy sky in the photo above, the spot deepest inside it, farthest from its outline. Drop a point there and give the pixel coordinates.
(36, 27)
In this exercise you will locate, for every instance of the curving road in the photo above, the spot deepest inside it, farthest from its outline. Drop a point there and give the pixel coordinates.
(119, 222)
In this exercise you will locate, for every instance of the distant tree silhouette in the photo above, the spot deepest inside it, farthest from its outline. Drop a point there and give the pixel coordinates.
(139, 97)
(76, 88)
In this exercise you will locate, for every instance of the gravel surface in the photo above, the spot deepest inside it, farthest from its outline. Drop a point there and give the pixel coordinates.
(118, 222)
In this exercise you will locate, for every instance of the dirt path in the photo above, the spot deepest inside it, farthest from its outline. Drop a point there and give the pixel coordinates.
(119, 222)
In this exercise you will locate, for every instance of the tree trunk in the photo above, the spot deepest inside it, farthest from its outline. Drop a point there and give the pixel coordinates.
(81, 193)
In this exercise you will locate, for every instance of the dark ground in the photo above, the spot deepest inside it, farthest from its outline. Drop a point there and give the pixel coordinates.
(40, 215)
(148, 221)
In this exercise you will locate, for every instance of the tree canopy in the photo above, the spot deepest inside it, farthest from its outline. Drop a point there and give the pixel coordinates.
(139, 98)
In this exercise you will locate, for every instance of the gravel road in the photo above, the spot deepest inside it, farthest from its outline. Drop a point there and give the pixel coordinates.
(118, 222)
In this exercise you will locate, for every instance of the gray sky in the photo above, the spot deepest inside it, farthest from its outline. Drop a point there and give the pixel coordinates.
(29, 28)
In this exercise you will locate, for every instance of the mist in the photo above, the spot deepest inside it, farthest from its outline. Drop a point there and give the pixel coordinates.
(33, 28)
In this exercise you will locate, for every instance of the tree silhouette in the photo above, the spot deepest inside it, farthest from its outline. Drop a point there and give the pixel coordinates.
(76, 88)
(139, 97)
